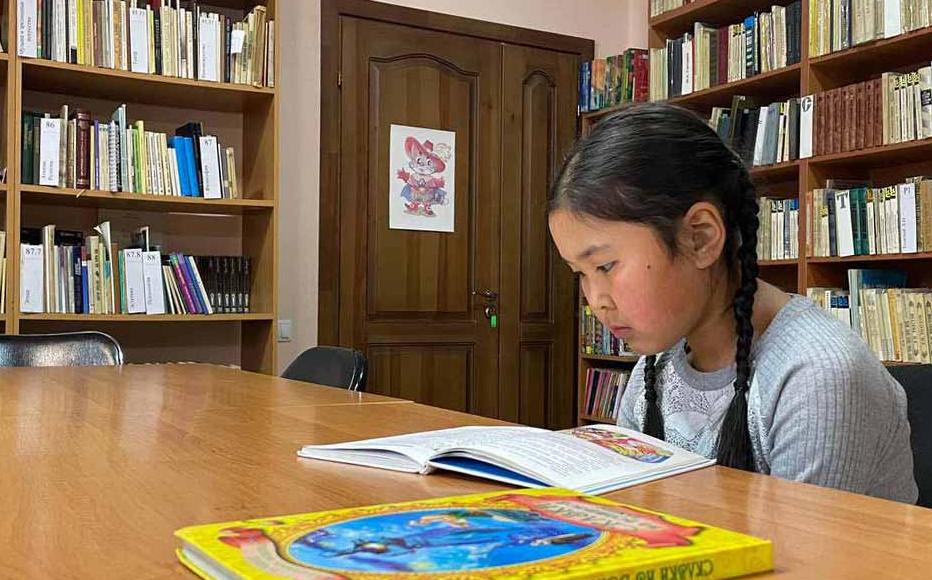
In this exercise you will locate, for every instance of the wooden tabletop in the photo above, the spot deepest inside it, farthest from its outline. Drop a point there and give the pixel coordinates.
(101, 465)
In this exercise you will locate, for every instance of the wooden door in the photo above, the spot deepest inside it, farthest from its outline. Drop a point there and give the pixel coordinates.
(537, 305)
(406, 297)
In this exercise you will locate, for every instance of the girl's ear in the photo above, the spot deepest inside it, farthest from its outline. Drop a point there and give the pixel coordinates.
(704, 233)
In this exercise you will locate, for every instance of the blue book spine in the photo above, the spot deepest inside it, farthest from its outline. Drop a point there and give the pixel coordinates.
(192, 167)
(177, 144)
(85, 302)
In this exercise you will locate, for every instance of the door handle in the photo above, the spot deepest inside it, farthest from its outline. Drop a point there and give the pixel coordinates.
(491, 305)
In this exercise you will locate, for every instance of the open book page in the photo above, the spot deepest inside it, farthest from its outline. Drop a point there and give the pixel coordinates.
(583, 458)
(410, 452)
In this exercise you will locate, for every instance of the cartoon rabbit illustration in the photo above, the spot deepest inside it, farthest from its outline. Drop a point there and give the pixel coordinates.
(424, 184)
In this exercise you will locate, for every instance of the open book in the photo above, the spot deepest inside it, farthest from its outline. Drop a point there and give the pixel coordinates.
(592, 459)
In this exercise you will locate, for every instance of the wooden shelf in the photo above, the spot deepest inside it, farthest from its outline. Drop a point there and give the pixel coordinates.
(625, 358)
(140, 201)
(773, 173)
(597, 419)
(715, 12)
(873, 258)
(861, 62)
(898, 153)
(772, 263)
(103, 83)
(772, 85)
(147, 318)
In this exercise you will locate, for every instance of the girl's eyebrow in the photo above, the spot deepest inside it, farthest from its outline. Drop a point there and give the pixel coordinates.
(588, 252)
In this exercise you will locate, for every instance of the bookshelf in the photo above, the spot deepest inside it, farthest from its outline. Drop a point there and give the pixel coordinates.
(243, 116)
(883, 165)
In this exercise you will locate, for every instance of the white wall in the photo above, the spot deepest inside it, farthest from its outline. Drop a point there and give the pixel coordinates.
(613, 24)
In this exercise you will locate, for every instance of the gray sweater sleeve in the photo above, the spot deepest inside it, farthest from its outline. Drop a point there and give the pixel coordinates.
(835, 423)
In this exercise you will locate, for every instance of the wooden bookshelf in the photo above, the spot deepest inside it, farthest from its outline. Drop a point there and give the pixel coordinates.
(883, 165)
(625, 358)
(134, 318)
(249, 116)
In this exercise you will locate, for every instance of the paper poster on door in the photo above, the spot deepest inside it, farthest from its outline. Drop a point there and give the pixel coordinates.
(422, 165)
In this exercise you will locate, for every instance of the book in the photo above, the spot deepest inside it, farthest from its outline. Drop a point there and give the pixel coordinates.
(591, 459)
(32, 278)
(153, 285)
(549, 533)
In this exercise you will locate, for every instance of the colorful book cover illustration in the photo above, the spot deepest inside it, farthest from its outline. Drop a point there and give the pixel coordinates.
(542, 533)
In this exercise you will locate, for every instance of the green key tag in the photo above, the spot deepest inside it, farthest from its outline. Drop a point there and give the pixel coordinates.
(494, 320)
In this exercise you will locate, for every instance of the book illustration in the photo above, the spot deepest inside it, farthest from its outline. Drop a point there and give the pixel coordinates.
(545, 533)
(421, 190)
(623, 444)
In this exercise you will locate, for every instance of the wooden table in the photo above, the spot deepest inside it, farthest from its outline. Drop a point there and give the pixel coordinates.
(101, 465)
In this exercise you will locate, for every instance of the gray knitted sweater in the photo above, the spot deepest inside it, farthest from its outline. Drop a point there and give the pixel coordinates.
(821, 407)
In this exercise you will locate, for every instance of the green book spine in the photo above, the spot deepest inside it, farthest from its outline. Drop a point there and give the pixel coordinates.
(121, 265)
(28, 145)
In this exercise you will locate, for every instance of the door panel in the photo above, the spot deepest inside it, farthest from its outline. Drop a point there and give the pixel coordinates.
(539, 115)
(406, 296)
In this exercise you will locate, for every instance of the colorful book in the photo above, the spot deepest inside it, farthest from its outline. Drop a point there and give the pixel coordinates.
(591, 459)
(547, 533)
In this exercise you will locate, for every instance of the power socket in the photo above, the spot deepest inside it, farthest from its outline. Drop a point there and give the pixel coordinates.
(284, 331)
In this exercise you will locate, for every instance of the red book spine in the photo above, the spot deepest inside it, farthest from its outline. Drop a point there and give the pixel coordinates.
(641, 72)
(861, 117)
(83, 149)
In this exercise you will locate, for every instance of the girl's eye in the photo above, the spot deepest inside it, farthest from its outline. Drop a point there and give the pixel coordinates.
(606, 268)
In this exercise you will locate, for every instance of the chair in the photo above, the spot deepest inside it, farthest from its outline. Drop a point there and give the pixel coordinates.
(330, 365)
(917, 382)
(59, 350)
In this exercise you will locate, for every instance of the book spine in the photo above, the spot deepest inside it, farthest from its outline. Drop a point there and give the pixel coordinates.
(182, 283)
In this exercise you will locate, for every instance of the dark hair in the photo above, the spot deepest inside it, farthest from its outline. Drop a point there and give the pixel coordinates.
(648, 164)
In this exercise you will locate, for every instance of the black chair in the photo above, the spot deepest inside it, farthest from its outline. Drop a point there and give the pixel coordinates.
(330, 365)
(917, 382)
(59, 350)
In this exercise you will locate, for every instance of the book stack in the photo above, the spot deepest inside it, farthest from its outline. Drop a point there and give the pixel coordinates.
(778, 236)
(761, 135)
(69, 273)
(839, 24)
(72, 150)
(658, 7)
(160, 37)
(709, 56)
(604, 388)
(862, 220)
(895, 108)
(596, 338)
(611, 81)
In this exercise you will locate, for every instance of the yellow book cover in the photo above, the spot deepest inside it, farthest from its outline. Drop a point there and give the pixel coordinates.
(542, 533)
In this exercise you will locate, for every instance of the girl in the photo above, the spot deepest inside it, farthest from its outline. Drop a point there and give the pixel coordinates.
(659, 219)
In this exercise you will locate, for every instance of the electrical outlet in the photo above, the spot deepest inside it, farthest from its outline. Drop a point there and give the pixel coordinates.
(284, 331)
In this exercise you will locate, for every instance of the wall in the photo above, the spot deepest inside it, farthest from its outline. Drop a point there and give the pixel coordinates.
(613, 24)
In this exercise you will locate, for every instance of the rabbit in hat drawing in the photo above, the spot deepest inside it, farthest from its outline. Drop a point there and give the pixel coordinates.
(424, 183)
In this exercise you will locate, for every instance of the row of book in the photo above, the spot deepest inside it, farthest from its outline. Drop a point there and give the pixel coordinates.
(778, 234)
(895, 108)
(611, 81)
(72, 150)
(604, 388)
(840, 24)
(894, 320)
(160, 37)
(764, 135)
(658, 7)
(64, 271)
(709, 56)
(596, 337)
(860, 220)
